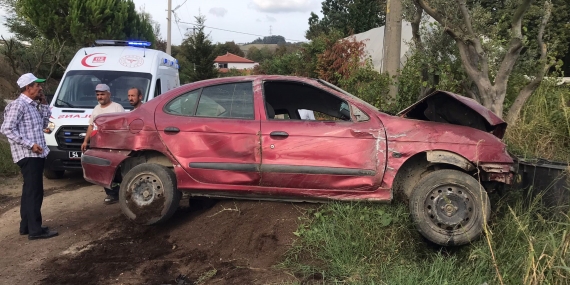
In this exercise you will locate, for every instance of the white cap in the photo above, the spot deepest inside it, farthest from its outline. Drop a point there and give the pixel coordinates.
(102, 87)
(28, 78)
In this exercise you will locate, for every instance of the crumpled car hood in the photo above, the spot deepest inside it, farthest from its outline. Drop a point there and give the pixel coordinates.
(447, 107)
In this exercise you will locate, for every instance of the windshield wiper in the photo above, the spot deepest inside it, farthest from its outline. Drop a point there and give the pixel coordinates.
(66, 103)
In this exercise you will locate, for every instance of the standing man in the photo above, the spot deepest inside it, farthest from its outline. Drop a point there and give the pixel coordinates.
(105, 106)
(24, 122)
(135, 97)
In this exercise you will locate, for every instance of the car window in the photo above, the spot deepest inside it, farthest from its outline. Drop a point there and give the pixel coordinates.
(184, 104)
(157, 89)
(227, 101)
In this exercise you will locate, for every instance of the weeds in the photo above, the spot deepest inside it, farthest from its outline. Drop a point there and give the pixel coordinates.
(7, 166)
(358, 243)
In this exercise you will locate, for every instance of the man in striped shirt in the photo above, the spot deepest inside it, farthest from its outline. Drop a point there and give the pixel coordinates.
(24, 121)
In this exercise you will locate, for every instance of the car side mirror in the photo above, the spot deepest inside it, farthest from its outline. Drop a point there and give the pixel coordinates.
(344, 111)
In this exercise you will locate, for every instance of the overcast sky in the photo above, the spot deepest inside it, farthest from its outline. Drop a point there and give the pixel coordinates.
(288, 18)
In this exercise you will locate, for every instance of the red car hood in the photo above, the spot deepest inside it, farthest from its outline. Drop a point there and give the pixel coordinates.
(447, 107)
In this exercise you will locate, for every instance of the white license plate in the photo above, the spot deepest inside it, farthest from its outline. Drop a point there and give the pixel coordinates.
(75, 154)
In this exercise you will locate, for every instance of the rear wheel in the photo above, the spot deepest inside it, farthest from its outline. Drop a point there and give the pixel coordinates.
(148, 194)
(53, 174)
(449, 207)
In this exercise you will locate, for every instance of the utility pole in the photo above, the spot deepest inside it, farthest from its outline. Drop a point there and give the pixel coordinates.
(392, 42)
(168, 36)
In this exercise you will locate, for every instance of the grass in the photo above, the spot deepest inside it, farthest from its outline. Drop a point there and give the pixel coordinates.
(358, 243)
(7, 166)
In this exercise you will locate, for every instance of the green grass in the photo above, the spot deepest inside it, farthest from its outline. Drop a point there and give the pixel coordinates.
(359, 243)
(7, 166)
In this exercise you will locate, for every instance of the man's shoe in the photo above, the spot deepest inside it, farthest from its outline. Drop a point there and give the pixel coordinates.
(111, 200)
(45, 234)
(26, 231)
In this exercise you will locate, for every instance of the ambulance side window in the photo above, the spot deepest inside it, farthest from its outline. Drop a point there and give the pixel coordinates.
(157, 88)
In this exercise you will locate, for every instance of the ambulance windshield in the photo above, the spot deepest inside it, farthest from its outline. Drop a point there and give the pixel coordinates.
(78, 88)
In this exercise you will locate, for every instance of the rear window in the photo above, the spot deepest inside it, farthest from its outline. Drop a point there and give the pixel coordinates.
(224, 101)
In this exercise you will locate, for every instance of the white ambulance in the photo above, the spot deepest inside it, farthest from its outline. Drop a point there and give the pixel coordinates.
(119, 64)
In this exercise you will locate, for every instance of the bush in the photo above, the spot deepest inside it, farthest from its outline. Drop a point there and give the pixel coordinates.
(7, 166)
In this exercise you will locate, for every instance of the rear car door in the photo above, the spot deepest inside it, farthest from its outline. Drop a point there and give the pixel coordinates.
(213, 133)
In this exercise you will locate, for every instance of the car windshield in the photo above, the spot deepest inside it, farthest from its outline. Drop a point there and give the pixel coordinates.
(78, 88)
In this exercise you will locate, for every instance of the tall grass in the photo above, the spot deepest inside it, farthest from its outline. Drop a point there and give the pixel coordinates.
(357, 243)
(543, 129)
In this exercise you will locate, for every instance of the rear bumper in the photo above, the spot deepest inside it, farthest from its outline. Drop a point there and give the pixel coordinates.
(58, 160)
(100, 165)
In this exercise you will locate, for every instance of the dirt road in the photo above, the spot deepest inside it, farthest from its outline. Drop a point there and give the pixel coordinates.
(206, 242)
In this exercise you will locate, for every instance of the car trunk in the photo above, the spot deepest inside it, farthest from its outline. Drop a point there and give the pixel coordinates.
(446, 107)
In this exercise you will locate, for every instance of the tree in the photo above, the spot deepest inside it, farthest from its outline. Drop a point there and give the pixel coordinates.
(488, 62)
(270, 40)
(231, 47)
(198, 54)
(347, 16)
(259, 55)
(79, 21)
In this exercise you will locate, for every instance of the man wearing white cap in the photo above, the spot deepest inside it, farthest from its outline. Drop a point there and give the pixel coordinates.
(24, 122)
(105, 106)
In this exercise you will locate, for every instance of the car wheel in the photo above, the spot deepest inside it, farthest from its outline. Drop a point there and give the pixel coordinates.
(148, 194)
(449, 207)
(53, 174)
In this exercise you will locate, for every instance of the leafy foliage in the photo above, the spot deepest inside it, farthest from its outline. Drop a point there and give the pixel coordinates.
(197, 55)
(231, 47)
(259, 55)
(270, 40)
(347, 16)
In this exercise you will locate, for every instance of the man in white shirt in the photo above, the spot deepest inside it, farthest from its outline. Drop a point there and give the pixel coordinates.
(105, 106)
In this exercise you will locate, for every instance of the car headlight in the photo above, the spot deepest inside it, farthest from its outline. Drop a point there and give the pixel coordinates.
(50, 128)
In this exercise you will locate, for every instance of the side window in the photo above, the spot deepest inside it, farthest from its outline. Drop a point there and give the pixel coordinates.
(157, 89)
(184, 104)
(227, 101)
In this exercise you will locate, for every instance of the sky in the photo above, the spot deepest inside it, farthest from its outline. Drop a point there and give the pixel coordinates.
(288, 18)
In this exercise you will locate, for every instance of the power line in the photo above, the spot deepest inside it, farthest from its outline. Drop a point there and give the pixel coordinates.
(235, 31)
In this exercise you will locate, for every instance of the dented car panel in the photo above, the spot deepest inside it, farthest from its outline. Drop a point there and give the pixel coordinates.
(257, 146)
(99, 166)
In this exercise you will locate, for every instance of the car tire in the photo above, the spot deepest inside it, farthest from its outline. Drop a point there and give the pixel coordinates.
(449, 207)
(53, 174)
(149, 194)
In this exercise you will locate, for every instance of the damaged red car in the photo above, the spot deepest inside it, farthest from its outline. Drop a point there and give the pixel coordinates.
(246, 137)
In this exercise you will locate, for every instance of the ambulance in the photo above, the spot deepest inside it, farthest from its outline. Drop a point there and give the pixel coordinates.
(117, 63)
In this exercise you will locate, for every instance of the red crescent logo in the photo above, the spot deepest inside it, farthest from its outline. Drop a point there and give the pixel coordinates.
(84, 60)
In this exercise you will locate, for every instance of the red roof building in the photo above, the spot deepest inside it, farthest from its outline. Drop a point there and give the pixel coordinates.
(228, 61)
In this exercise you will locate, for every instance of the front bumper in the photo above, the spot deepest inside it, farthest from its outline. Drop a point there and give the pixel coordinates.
(58, 160)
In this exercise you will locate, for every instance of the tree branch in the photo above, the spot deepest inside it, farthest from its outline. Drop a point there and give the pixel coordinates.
(455, 34)
(474, 38)
(527, 91)
(515, 45)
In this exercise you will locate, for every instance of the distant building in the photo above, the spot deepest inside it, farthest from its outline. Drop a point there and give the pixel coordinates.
(228, 61)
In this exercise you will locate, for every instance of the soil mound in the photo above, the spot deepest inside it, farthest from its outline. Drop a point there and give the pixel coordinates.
(206, 242)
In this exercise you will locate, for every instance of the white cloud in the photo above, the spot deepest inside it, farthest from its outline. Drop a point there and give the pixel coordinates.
(270, 19)
(258, 20)
(218, 11)
(281, 6)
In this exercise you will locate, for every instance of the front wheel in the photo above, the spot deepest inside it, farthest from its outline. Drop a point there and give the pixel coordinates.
(449, 207)
(148, 194)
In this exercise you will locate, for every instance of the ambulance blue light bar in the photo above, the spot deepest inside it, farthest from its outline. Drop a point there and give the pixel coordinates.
(122, 43)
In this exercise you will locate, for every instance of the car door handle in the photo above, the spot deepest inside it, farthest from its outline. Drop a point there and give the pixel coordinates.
(171, 130)
(279, 134)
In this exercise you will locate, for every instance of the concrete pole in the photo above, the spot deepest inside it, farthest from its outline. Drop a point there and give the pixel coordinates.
(393, 42)
(168, 30)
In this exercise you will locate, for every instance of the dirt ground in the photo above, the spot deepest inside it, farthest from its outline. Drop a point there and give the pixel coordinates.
(206, 242)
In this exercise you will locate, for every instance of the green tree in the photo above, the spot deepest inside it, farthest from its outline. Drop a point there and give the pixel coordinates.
(347, 16)
(231, 47)
(270, 40)
(259, 55)
(198, 54)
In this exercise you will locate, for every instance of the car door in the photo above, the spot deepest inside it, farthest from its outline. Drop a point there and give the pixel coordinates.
(325, 153)
(213, 133)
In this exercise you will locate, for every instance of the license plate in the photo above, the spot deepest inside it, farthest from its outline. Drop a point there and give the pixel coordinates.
(75, 154)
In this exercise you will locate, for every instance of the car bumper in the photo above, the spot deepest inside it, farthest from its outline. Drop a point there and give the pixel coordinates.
(58, 160)
(100, 166)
